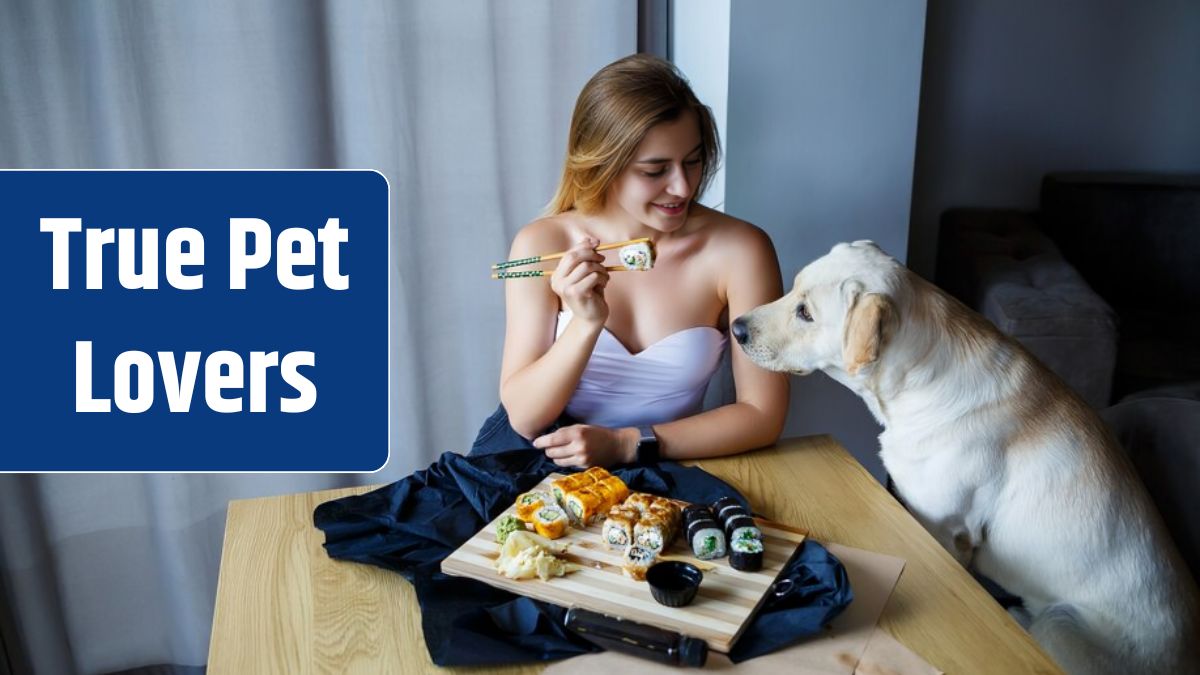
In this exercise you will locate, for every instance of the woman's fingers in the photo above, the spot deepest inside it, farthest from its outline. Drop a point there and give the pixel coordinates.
(580, 253)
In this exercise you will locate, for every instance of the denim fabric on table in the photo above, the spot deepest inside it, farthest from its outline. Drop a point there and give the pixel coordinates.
(411, 525)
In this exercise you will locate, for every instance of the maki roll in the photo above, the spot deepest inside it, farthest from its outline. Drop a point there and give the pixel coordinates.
(597, 473)
(618, 528)
(707, 540)
(722, 503)
(640, 501)
(560, 487)
(667, 510)
(697, 525)
(636, 561)
(530, 502)
(742, 527)
(729, 512)
(695, 512)
(583, 505)
(614, 489)
(746, 555)
(550, 521)
(651, 532)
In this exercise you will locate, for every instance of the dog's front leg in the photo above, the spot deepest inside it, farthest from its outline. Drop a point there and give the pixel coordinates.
(952, 534)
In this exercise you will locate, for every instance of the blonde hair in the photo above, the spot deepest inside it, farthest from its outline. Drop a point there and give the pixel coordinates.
(612, 114)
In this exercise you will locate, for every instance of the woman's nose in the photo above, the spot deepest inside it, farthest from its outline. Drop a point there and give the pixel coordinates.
(679, 186)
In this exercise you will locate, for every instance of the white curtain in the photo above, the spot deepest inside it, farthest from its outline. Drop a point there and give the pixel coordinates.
(464, 106)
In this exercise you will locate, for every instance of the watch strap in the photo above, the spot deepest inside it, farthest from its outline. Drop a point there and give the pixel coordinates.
(648, 446)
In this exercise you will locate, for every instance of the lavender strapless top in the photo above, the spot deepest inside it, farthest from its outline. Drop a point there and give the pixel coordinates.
(662, 383)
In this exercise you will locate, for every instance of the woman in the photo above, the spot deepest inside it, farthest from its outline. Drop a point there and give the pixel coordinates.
(627, 356)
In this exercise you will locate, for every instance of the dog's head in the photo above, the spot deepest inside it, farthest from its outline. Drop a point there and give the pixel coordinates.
(838, 315)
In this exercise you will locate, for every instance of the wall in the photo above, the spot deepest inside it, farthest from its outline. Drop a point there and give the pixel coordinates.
(700, 47)
(1015, 89)
(821, 136)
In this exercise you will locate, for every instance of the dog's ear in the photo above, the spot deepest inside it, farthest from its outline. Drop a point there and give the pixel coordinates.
(867, 325)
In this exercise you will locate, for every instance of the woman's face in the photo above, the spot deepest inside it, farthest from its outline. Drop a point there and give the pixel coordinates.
(657, 186)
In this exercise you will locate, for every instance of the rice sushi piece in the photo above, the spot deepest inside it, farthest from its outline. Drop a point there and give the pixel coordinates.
(651, 532)
(696, 512)
(637, 257)
(640, 501)
(618, 527)
(584, 505)
(742, 527)
(722, 503)
(746, 555)
(550, 521)
(636, 561)
(530, 502)
(666, 508)
(697, 525)
(729, 512)
(670, 513)
(598, 473)
(616, 488)
(561, 486)
(707, 540)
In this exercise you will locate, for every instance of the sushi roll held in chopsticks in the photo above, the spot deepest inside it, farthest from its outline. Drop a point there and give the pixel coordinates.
(635, 255)
(638, 256)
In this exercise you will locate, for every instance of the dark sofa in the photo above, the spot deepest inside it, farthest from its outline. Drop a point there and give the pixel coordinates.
(1102, 283)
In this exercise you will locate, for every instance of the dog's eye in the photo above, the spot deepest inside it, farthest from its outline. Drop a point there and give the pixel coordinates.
(802, 312)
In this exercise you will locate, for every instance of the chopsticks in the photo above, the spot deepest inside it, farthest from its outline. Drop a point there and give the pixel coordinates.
(499, 268)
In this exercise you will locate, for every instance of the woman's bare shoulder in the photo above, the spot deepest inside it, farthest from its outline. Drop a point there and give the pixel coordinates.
(548, 234)
(728, 234)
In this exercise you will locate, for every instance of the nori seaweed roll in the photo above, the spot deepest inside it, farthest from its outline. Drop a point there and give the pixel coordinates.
(742, 527)
(746, 555)
(701, 524)
(707, 542)
(722, 503)
(729, 513)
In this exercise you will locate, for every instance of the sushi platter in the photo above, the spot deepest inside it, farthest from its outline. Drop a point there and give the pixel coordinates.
(600, 580)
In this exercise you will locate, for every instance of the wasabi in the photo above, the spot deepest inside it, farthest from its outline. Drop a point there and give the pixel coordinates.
(506, 526)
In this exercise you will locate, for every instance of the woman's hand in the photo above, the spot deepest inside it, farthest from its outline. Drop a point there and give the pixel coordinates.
(580, 279)
(586, 445)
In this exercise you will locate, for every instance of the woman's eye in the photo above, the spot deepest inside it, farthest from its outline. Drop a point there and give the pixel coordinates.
(654, 174)
(802, 312)
(694, 162)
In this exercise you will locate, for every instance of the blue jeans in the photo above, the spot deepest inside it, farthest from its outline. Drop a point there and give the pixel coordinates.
(497, 434)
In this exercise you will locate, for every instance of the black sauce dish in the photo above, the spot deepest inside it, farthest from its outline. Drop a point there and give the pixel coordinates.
(673, 583)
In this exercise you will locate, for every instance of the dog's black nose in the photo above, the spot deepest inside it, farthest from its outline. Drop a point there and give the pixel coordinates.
(740, 332)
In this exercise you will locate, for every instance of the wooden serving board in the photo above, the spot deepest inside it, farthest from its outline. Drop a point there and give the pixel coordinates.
(723, 606)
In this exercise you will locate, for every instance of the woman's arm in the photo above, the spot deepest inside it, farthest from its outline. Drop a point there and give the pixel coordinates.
(756, 419)
(539, 374)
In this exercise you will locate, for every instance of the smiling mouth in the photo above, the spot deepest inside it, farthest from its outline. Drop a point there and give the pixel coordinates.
(672, 209)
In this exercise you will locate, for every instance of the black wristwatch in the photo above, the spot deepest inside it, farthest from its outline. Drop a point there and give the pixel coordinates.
(647, 447)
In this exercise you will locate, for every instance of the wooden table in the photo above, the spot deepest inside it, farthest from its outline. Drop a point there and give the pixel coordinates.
(284, 607)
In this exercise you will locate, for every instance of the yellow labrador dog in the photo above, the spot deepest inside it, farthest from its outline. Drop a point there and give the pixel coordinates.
(1013, 473)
